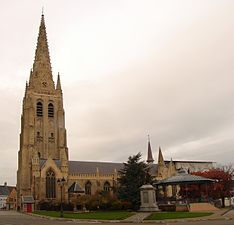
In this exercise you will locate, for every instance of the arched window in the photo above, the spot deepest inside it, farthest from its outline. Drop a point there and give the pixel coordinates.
(50, 110)
(88, 187)
(106, 186)
(50, 184)
(39, 109)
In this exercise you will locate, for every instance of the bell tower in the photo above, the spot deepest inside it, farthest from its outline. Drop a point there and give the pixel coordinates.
(43, 133)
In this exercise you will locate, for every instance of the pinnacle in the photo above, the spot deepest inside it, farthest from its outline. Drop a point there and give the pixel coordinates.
(160, 157)
(58, 86)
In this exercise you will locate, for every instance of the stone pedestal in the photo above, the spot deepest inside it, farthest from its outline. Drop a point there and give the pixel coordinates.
(148, 199)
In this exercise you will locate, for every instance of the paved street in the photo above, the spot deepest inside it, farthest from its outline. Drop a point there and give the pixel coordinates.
(14, 218)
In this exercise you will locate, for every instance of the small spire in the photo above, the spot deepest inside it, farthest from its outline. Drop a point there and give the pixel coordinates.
(58, 86)
(30, 77)
(42, 11)
(160, 157)
(171, 169)
(150, 155)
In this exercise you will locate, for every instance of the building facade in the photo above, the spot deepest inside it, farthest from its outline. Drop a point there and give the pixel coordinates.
(43, 153)
(43, 157)
(7, 197)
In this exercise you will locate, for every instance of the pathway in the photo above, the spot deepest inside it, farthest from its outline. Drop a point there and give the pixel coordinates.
(138, 217)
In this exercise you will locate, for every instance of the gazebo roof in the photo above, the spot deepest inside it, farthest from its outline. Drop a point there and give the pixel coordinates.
(185, 179)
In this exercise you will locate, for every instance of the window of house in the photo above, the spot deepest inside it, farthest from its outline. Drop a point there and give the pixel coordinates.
(39, 109)
(50, 110)
(50, 184)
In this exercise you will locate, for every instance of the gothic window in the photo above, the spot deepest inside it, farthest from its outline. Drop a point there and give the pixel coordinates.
(51, 138)
(106, 186)
(50, 110)
(50, 184)
(88, 187)
(39, 109)
(39, 137)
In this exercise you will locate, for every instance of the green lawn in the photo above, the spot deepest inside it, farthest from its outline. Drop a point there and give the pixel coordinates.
(113, 215)
(176, 215)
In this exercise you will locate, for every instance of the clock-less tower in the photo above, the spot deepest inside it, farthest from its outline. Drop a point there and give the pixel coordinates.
(43, 153)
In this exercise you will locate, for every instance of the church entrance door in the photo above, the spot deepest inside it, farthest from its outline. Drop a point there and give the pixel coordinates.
(29, 207)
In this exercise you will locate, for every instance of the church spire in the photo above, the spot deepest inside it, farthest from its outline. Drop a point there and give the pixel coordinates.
(150, 155)
(42, 56)
(41, 76)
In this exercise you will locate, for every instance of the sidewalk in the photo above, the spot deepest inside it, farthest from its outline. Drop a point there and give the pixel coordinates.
(229, 214)
(137, 218)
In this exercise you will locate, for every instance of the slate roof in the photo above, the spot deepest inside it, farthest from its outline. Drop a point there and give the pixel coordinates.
(88, 167)
(91, 167)
(4, 190)
(103, 167)
(27, 199)
(186, 161)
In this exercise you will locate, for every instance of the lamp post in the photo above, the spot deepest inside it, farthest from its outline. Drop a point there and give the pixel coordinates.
(61, 183)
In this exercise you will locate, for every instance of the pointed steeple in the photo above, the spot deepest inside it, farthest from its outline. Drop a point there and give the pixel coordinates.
(160, 158)
(41, 75)
(58, 85)
(150, 155)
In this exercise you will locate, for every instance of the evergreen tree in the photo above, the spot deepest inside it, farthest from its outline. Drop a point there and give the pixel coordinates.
(134, 174)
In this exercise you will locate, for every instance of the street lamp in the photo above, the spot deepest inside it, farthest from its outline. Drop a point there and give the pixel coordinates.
(61, 183)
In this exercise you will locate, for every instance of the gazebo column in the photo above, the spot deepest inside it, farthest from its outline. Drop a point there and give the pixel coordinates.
(165, 191)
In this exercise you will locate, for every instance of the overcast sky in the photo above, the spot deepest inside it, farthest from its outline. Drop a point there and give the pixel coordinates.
(128, 69)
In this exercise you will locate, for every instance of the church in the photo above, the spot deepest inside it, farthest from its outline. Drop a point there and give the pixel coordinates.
(43, 156)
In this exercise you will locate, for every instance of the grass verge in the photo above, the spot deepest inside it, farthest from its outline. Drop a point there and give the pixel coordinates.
(113, 215)
(176, 215)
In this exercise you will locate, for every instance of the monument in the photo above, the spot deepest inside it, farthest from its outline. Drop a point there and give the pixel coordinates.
(148, 199)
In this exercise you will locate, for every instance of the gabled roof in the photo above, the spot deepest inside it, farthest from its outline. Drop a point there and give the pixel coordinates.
(27, 199)
(57, 162)
(75, 188)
